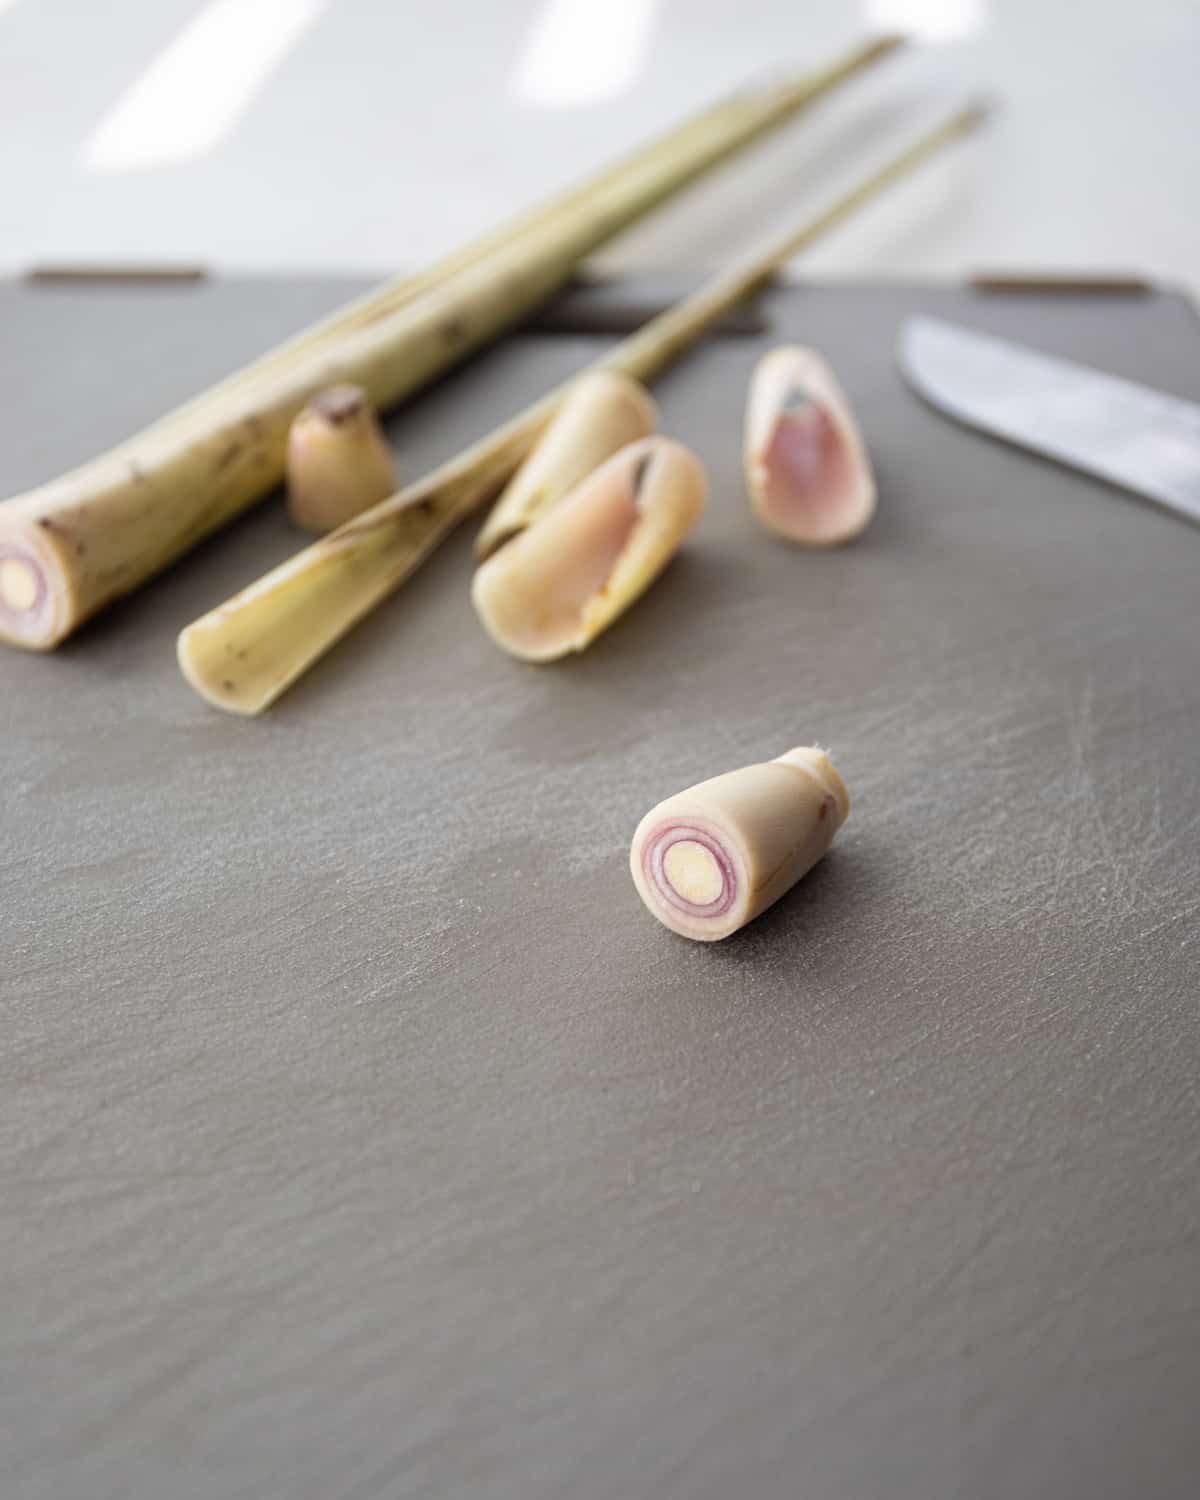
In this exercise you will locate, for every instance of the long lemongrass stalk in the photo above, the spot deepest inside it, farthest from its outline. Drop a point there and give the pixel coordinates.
(721, 129)
(71, 546)
(248, 651)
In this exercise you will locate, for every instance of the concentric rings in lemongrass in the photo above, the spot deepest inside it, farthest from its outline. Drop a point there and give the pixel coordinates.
(27, 598)
(711, 858)
(689, 867)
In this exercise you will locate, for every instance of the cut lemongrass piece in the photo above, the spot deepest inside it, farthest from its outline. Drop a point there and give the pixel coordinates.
(29, 608)
(338, 460)
(600, 414)
(714, 857)
(807, 468)
(116, 521)
(553, 589)
(289, 618)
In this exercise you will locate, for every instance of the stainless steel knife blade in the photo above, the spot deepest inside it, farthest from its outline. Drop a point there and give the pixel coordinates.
(1128, 434)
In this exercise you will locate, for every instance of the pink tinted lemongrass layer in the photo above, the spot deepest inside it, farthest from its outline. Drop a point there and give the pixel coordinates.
(26, 615)
(654, 852)
(807, 469)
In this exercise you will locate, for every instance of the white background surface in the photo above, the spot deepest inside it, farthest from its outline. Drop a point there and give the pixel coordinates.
(385, 133)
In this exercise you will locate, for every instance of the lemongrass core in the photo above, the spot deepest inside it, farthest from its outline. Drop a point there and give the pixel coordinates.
(21, 584)
(690, 869)
(693, 872)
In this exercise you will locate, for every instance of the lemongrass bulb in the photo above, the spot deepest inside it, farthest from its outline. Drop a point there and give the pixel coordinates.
(712, 858)
(807, 468)
(601, 413)
(554, 588)
(338, 460)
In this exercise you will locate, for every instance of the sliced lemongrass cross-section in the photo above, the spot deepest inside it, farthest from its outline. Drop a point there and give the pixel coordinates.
(338, 460)
(600, 414)
(712, 858)
(807, 467)
(28, 607)
(554, 588)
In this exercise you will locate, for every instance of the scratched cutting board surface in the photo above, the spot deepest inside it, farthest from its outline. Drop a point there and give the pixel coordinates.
(363, 1135)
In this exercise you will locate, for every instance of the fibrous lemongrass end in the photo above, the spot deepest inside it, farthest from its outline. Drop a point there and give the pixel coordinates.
(339, 403)
(807, 468)
(816, 762)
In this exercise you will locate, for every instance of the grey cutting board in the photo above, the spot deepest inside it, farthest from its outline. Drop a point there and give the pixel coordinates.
(362, 1134)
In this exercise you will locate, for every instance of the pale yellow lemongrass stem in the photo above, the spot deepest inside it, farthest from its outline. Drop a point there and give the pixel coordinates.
(721, 129)
(103, 529)
(248, 651)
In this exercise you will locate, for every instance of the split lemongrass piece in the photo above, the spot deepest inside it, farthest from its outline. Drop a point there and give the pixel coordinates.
(338, 460)
(102, 530)
(600, 414)
(278, 627)
(807, 467)
(714, 857)
(554, 588)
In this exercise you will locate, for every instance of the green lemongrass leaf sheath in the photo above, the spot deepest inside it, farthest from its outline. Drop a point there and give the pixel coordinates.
(279, 626)
(71, 546)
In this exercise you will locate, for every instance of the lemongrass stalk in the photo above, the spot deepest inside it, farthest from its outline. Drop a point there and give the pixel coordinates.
(720, 130)
(73, 545)
(248, 651)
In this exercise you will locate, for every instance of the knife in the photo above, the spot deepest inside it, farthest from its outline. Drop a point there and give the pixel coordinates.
(1128, 434)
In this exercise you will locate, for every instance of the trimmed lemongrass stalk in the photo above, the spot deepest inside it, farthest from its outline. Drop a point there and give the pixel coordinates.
(714, 857)
(601, 413)
(719, 131)
(103, 529)
(279, 626)
(807, 468)
(338, 460)
(555, 587)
